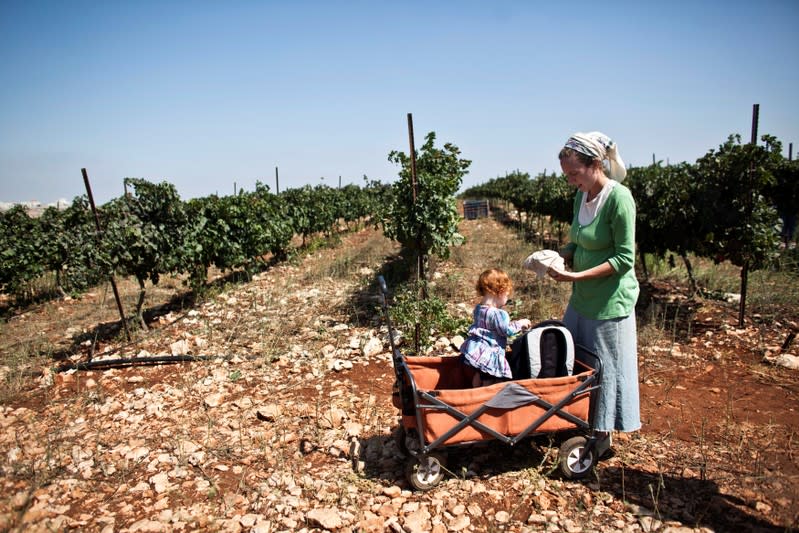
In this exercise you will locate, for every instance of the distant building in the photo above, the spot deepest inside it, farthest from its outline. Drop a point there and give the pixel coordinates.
(35, 207)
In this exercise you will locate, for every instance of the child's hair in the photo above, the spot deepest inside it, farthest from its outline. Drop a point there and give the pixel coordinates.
(493, 281)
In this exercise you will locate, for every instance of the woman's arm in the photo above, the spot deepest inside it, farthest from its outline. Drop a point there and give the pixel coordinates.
(600, 271)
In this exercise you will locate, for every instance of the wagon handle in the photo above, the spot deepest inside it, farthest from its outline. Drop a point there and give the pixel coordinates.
(384, 301)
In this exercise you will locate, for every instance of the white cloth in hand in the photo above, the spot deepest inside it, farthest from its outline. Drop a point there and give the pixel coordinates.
(542, 260)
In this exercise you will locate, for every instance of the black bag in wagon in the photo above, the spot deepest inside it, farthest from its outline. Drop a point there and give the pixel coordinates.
(545, 351)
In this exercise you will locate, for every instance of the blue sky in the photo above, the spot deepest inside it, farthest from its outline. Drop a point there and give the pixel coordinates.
(209, 95)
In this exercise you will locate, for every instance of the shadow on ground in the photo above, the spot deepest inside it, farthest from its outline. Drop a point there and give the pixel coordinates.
(381, 459)
(693, 502)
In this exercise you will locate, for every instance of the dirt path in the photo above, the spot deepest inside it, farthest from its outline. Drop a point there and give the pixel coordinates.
(292, 431)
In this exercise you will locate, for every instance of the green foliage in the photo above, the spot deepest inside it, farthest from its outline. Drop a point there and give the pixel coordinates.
(784, 191)
(208, 239)
(150, 232)
(142, 229)
(69, 246)
(313, 209)
(514, 187)
(667, 199)
(235, 232)
(20, 250)
(408, 309)
(428, 224)
(554, 197)
(738, 222)
(277, 229)
(379, 198)
(546, 195)
(354, 203)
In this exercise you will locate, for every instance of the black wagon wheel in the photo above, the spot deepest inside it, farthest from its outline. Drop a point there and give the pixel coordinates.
(425, 471)
(571, 466)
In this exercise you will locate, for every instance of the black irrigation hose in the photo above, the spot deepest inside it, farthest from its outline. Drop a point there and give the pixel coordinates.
(151, 360)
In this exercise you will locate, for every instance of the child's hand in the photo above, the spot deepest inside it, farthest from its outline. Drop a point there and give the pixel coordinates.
(525, 323)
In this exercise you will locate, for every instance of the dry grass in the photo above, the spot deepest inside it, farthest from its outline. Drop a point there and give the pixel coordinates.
(533, 298)
(768, 289)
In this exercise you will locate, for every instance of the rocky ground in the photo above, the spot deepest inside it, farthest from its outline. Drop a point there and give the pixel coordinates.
(290, 427)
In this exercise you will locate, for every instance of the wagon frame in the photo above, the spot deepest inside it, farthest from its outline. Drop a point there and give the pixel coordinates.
(438, 410)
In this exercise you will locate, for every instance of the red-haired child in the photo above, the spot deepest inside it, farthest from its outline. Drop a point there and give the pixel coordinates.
(484, 348)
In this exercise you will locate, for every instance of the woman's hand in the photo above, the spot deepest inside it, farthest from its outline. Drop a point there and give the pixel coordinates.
(562, 275)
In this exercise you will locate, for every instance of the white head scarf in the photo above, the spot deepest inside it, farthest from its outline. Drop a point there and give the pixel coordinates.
(599, 146)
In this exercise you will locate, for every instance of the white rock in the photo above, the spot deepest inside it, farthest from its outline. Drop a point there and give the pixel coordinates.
(327, 518)
(418, 521)
(788, 361)
(339, 364)
(372, 347)
(537, 519)
(457, 340)
(333, 418)
(270, 412)
(459, 523)
(214, 400)
(328, 350)
(14, 454)
(149, 526)
(353, 429)
(243, 403)
(186, 446)
(442, 343)
(393, 491)
(160, 482)
(141, 487)
(137, 454)
(180, 347)
(249, 520)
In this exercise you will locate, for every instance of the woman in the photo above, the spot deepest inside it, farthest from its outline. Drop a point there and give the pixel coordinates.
(601, 251)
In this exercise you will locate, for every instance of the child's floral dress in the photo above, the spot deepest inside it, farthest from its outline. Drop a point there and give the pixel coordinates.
(484, 348)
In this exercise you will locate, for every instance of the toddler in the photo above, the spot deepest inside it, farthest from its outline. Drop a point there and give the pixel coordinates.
(484, 348)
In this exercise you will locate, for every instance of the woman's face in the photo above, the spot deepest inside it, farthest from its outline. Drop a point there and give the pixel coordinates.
(579, 175)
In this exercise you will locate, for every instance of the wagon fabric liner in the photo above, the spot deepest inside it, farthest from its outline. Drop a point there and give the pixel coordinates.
(447, 407)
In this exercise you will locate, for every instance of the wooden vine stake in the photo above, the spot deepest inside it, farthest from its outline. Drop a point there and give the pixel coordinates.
(750, 200)
(99, 231)
(420, 275)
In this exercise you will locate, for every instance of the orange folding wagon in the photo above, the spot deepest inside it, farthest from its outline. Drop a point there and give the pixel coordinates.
(439, 409)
